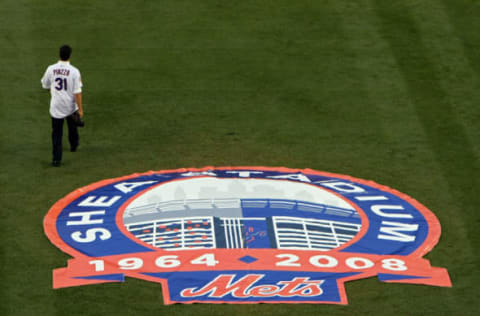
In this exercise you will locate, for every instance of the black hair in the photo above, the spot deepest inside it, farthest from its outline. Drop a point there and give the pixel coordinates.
(65, 52)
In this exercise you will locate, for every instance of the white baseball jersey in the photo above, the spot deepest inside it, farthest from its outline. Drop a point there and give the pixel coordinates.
(64, 81)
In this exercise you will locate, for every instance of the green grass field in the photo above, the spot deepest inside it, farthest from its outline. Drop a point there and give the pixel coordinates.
(375, 89)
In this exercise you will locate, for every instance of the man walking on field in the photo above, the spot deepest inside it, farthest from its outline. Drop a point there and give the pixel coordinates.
(65, 86)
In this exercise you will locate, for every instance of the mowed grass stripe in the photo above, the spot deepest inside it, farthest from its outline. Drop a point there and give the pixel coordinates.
(400, 134)
(446, 134)
(450, 59)
(464, 17)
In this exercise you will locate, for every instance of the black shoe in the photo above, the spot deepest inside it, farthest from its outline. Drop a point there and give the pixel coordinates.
(56, 163)
(73, 149)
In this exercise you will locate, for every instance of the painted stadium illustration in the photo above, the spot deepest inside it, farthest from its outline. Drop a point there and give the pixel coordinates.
(211, 213)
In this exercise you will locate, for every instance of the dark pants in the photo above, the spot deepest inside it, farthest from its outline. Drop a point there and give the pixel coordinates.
(57, 134)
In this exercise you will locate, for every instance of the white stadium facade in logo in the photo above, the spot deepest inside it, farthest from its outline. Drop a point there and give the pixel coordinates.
(241, 213)
(243, 234)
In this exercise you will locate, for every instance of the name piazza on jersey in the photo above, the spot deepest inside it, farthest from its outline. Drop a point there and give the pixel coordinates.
(61, 72)
(391, 228)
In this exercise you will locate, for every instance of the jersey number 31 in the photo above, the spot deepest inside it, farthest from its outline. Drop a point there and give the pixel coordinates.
(61, 84)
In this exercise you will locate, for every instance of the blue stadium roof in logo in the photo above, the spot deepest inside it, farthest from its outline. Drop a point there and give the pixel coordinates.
(243, 234)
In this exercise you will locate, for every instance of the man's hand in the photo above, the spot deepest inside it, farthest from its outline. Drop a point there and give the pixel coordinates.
(78, 100)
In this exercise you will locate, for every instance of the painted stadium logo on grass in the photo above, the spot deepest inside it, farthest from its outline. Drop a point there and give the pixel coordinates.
(243, 234)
